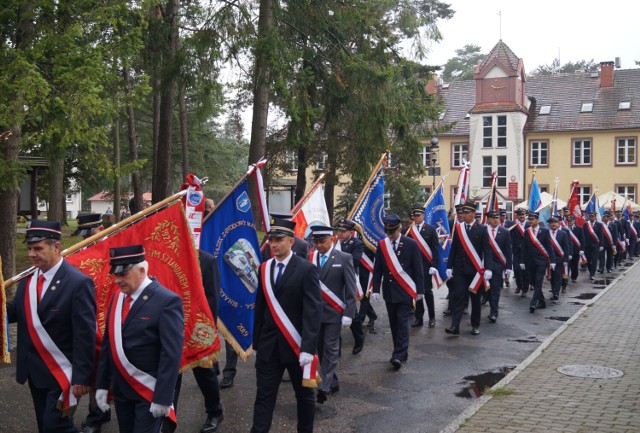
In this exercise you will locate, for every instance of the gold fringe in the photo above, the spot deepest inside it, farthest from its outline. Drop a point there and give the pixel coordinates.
(229, 338)
(206, 362)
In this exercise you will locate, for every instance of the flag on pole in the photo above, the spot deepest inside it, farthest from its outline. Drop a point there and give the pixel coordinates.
(230, 235)
(593, 205)
(370, 212)
(574, 203)
(435, 213)
(534, 196)
(312, 212)
(462, 189)
(172, 259)
(5, 344)
(492, 198)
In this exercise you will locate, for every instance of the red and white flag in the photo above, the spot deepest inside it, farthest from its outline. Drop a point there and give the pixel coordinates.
(312, 212)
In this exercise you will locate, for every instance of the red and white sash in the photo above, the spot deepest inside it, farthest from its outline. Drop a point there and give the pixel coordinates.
(436, 281)
(556, 245)
(496, 249)
(592, 232)
(520, 227)
(51, 355)
(538, 245)
(576, 242)
(330, 298)
(143, 383)
(399, 274)
(607, 234)
(475, 259)
(310, 377)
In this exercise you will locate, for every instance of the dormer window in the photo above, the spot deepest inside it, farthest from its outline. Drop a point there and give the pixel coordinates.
(624, 105)
(545, 109)
(441, 117)
(587, 107)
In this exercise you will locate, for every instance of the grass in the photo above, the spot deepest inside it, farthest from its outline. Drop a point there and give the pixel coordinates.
(499, 392)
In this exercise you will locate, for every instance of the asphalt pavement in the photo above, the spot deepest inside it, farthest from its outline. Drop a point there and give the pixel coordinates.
(445, 376)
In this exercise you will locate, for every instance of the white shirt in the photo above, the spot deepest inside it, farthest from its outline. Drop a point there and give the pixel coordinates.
(285, 262)
(48, 276)
(139, 290)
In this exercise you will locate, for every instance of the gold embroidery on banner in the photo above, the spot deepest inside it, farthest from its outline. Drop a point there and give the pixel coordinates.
(94, 266)
(204, 333)
(168, 233)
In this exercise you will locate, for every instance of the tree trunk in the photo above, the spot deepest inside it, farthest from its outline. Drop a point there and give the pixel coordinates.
(301, 177)
(331, 177)
(156, 130)
(261, 82)
(162, 184)
(132, 137)
(116, 166)
(184, 132)
(56, 188)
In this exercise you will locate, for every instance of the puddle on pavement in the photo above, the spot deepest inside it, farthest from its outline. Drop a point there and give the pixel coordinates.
(576, 303)
(604, 281)
(599, 287)
(586, 296)
(532, 339)
(558, 318)
(478, 384)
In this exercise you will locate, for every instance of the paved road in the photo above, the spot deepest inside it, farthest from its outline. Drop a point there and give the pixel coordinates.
(421, 397)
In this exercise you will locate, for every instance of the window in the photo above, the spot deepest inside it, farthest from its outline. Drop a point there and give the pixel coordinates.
(624, 105)
(545, 109)
(502, 131)
(441, 117)
(502, 171)
(459, 154)
(291, 160)
(587, 107)
(387, 200)
(426, 191)
(69, 198)
(584, 193)
(424, 154)
(322, 164)
(581, 152)
(543, 188)
(486, 171)
(625, 151)
(539, 153)
(487, 131)
(628, 191)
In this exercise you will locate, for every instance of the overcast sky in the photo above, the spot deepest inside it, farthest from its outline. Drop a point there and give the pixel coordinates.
(535, 30)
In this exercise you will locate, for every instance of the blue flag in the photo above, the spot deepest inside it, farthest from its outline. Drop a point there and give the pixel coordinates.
(230, 235)
(436, 214)
(534, 197)
(370, 212)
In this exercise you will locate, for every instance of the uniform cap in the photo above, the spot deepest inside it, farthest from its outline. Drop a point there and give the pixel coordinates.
(40, 230)
(123, 258)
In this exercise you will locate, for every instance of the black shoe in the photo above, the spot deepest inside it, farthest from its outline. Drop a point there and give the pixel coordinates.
(370, 323)
(447, 313)
(432, 323)
(396, 363)
(484, 301)
(453, 330)
(475, 331)
(523, 294)
(357, 349)
(608, 271)
(601, 271)
(226, 382)
(592, 278)
(555, 297)
(507, 284)
(532, 309)
(541, 305)
(465, 311)
(321, 397)
(564, 290)
(493, 318)
(91, 429)
(517, 291)
(417, 323)
(211, 424)
(335, 388)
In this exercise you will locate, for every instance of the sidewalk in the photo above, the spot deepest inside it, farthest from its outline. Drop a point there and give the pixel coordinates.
(535, 397)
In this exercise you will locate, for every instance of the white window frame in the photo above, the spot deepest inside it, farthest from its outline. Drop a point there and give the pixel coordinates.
(425, 154)
(501, 132)
(291, 160)
(586, 107)
(487, 132)
(537, 151)
(501, 171)
(630, 150)
(486, 178)
(584, 193)
(581, 144)
(628, 191)
(459, 153)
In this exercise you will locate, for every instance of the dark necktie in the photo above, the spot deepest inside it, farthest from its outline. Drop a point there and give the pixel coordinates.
(280, 270)
(39, 286)
(395, 246)
(126, 306)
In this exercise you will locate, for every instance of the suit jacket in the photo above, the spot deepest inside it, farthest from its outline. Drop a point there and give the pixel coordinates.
(614, 235)
(410, 259)
(579, 234)
(430, 236)
(68, 314)
(530, 252)
(298, 292)
(517, 239)
(339, 277)
(589, 242)
(563, 240)
(503, 239)
(355, 247)
(210, 280)
(152, 340)
(459, 261)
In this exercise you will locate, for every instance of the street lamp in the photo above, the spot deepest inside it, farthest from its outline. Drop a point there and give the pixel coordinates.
(433, 154)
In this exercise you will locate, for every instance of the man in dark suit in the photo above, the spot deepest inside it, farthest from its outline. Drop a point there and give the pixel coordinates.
(430, 262)
(609, 248)
(592, 243)
(397, 253)
(145, 332)
(354, 246)
(576, 238)
(501, 260)
(507, 224)
(206, 378)
(635, 223)
(338, 285)
(56, 303)
(468, 279)
(290, 283)
(562, 249)
(537, 257)
(517, 232)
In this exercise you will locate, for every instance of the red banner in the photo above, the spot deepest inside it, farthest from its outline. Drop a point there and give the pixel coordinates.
(4, 332)
(172, 260)
(574, 204)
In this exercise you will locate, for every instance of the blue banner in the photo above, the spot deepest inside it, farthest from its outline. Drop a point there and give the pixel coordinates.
(436, 214)
(534, 197)
(370, 212)
(230, 235)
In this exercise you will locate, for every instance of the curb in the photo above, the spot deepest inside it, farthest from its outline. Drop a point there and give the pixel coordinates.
(454, 425)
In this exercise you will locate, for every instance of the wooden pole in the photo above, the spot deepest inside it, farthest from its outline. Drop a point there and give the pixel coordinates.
(366, 185)
(249, 172)
(306, 196)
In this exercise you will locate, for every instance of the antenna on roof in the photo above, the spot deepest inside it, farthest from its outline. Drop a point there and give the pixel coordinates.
(617, 62)
(500, 23)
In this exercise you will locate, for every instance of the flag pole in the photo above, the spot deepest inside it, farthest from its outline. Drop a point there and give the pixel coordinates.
(306, 196)
(106, 232)
(367, 184)
(434, 191)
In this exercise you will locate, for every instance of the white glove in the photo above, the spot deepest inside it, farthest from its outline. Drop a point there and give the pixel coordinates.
(564, 263)
(432, 271)
(581, 253)
(101, 399)
(614, 249)
(570, 257)
(488, 274)
(305, 358)
(449, 273)
(522, 266)
(553, 266)
(508, 273)
(346, 321)
(158, 410)
(375, 297)
(601, 248)
(419, 297)
(626, 241)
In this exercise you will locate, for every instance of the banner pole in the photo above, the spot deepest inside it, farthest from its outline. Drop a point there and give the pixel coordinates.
(306, 196)
(367, 184)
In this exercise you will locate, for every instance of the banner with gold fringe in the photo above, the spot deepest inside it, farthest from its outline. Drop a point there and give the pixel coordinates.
(4, 328)
(173, 261)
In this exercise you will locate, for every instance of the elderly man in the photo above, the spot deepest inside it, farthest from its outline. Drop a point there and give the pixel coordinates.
(398, 272)
(56, 314)
(142, 345)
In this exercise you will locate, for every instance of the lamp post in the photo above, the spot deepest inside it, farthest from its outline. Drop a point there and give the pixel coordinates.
(433, 154)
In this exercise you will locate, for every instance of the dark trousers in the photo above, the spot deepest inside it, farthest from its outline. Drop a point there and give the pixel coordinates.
(459, 299)
(134, 416)
(268, 378)
(49, 418)
(495, 283)
(521, 277)
(95, 417)
(537, 271)
(556, 279)
(207, 380)
(428, 298)
(399, 322)
(632, 247)
(356, 328)
(574, 266)
(231, 361)
(366, 310)
(605, 259)
(592, 254)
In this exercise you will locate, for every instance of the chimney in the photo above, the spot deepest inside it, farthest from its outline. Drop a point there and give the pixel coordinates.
(606, 74)
(432, 86)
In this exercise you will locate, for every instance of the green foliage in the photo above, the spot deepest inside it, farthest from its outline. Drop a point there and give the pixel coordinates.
(569, 67)
(463, 65)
